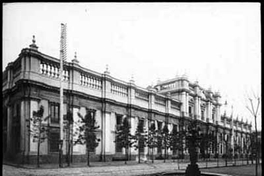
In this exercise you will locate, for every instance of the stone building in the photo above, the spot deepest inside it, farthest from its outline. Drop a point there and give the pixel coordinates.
(33, 80)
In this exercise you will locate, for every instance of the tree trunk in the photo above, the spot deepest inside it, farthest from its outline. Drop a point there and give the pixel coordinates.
(88, 157)
(139, 155)
(165, 155)
(206, 158)
(152, 156)
(126, 156)
(247, 158)
(38, 152)
(69, 153)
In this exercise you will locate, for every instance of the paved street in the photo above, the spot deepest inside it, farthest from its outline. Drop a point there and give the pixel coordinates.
(107, 168)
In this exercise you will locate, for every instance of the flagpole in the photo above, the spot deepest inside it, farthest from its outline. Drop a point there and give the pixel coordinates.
(62, 58)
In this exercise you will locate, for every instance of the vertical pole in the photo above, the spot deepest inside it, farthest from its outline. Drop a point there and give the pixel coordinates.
(61, 110)
(256, 144)
(62, 57)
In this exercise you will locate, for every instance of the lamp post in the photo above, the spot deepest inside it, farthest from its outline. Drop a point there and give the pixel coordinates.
(193, 138)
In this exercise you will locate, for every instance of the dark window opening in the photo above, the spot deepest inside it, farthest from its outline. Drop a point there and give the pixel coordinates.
(141, 140)
(202, 114)
(159, 141)
(54, 141)
(55, 112)
(119, 120)
(174, 151)
(190, 110)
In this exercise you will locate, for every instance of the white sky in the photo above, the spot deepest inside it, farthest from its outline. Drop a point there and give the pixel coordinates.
(217, 44)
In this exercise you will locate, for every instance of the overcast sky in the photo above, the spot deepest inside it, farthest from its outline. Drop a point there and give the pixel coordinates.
(217, 44)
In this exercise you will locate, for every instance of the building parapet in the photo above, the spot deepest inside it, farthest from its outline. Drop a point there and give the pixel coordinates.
(36, 66)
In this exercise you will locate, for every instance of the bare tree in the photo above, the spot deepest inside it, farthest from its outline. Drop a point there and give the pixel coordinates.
(253, 109)
(86, 132)
(38, 129)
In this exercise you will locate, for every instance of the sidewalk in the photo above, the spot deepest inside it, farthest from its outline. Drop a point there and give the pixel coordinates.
(117, 168)
(94, 164)
(132, 168)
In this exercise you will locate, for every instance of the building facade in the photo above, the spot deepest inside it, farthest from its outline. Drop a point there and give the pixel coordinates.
(33, 80)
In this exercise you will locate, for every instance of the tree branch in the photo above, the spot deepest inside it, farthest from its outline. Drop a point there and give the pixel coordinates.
(252, 107)
(257, 106)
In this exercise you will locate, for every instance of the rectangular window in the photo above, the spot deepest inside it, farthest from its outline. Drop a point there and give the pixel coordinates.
(190, 110)
(141, 140)
(54, 141)
(159, 125)
(159, 141)
(55, 112)
(202, 114)
(141, 125)
(118, 147)
(118, 119)
(175, 127)
(174, 149)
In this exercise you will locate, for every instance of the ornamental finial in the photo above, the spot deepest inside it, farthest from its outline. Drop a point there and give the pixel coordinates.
(106, 70)
(33, 45)
(34, 40)
(75, 60)
(132, 79)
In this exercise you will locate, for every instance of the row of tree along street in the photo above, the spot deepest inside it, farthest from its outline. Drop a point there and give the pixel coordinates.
(161, 138)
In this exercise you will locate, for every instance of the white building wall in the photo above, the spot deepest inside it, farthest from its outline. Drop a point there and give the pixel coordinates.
(78, 149)
(134, 123)
(33, 147)
(99, 133)
(107, 133)
(111, 130)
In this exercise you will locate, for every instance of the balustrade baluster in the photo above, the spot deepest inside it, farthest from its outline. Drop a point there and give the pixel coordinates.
(87, 80)
(40, 67)
(81, 79)
(64, 75)
(96, 83)
(48, 69)
(55, 71)
(43, 68)
(92, 82)
(52, 71)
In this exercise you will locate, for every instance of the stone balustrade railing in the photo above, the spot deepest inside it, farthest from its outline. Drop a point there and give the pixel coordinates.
(43, 66)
